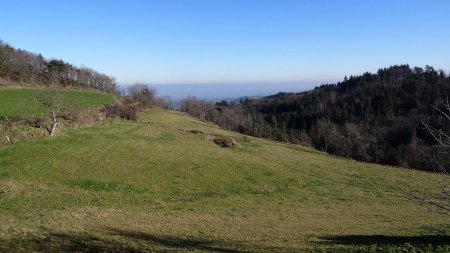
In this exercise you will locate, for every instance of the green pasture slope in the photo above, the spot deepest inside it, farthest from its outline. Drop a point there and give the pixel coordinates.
(16, 102)
(148, 186)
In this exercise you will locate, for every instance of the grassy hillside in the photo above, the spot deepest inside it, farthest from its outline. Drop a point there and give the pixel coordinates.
(152, 185)
(17, 103)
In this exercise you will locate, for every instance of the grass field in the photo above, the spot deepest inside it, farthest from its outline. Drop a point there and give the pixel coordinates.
(148, 186)
(17, 103)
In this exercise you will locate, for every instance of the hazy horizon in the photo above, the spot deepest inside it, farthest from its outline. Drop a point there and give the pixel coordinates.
(217, 91)
(240, 42)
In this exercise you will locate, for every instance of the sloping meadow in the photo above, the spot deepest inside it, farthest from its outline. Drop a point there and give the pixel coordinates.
(162, 184)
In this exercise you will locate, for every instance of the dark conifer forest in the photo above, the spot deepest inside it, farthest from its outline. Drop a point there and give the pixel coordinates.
(379, 117)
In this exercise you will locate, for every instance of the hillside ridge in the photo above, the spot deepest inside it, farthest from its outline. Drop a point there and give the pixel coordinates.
(149, 178)
(378, 117)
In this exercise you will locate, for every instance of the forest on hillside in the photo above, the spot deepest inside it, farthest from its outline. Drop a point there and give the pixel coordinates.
(25, 68)
(380, 117)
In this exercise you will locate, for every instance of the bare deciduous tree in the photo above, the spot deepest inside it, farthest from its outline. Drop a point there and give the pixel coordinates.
(439, 201)
(144, 94)
(55, 102)
(163, 102)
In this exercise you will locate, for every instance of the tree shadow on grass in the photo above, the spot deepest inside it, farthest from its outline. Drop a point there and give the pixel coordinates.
(65, 242)
(116, 241)
(386, 240)
(178, 243)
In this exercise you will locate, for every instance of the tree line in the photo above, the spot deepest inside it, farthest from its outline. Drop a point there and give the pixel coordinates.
(23, 67)
(374, 117)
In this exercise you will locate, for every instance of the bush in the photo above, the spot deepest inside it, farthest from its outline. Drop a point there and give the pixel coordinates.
(38, 122)
(143, 94)
(126, 109)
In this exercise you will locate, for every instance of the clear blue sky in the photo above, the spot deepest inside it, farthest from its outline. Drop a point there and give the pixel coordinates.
(232, 41)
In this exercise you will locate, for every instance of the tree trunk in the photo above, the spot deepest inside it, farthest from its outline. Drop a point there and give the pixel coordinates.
(54, 125)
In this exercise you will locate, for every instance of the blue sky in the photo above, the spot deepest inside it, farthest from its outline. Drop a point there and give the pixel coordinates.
(226, 42)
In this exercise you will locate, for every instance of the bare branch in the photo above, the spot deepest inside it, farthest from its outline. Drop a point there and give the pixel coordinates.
(440, 200)
(55, 102)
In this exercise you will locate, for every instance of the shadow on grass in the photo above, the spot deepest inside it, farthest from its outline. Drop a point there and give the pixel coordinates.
(4, 118)
(116, 240)
(179, 243)
(387, 240)
(204, 124)
(64, 242)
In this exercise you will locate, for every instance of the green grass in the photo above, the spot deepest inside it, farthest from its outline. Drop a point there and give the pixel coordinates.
(16, 102)
(148, 186)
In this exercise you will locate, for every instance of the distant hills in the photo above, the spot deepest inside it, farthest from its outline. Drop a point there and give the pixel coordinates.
(371, 117)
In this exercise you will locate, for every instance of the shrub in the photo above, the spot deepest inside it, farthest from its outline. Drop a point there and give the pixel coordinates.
(126, 109)
(37, 122)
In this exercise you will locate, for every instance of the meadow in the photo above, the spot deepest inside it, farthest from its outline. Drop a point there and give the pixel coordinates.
(17, 103)
(156, 185)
